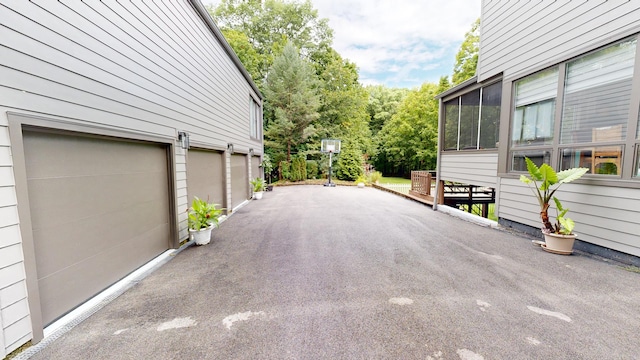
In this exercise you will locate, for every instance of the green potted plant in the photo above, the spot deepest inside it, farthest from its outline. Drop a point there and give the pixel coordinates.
(203, 217)
(544, 182)
(258, 185)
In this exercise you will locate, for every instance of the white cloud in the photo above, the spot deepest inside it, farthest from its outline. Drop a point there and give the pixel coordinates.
(398, 42)
(399, 36)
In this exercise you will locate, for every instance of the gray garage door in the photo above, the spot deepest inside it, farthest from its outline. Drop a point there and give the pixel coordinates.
(255, 167)
(239, 179)
(99, 210)
(205, 176)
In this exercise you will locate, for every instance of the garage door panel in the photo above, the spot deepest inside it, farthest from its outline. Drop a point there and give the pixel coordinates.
(67, 243)
(239, 179)
(61, 289)
(205, 176)
(255, 167)
(77, 197)
(99, 210)
(116, 160)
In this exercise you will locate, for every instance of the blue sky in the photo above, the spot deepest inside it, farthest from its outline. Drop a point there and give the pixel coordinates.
(399, 43)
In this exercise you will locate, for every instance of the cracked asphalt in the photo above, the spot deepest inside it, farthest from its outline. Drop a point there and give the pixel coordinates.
(310, 272)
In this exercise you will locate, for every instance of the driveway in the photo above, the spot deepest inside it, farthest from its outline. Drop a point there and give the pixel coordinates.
(310, 272)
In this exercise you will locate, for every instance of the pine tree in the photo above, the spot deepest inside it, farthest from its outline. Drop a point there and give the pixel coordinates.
(291, 91)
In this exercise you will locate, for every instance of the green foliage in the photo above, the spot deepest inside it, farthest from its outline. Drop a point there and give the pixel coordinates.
(544, 182)
(383, 104)
(291, 91)
(408, 141)
(258, 184)
(349, 164)
(298, 169)
(467, 56)
(362, 179)
(285, 170)
(268, 25)
(375, 177)
(312, 169)
(203, 214)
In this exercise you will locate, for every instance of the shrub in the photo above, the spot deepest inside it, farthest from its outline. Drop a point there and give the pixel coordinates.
(375, 176)
(349, 164)
(285, 170)
(312, 169)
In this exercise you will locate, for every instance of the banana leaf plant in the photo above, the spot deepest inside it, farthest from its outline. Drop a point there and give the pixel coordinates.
(544, 182)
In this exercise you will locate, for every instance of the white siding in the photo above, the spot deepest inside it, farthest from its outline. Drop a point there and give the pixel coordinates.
(182, 201)
(605, 216)
(519, 37)
(14, 310)
(128, 65)
(472, 168)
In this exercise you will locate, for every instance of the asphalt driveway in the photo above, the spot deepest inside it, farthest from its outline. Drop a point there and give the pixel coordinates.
(310, 272)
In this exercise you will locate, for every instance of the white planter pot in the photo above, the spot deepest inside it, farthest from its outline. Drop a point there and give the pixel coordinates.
(202, 236)
(257, 195)
(558, 243)
(361, 185)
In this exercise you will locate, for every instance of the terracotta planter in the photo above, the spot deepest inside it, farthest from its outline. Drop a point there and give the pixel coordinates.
(257, 195)
(202, 236)
(558, 243)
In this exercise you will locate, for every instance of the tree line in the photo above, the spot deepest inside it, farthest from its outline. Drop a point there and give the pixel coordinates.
(311, 93)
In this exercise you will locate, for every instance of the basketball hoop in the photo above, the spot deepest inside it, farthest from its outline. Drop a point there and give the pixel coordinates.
(331, 146)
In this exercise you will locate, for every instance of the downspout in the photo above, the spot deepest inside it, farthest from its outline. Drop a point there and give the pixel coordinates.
(438, 159)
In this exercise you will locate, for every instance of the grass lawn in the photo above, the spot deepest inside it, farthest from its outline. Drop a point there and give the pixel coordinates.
(394, 180)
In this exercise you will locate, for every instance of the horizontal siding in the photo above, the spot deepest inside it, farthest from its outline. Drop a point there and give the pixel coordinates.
(475, 169)
(517, 36)
(147, 67)
(605, 216)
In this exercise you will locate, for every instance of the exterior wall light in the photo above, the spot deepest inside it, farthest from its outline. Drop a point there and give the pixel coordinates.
(183, 137)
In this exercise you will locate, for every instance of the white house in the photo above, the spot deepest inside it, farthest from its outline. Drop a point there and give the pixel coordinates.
(113, 115)
(559, 82)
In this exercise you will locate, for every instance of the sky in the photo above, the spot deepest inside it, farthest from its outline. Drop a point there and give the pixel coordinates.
(398, 43)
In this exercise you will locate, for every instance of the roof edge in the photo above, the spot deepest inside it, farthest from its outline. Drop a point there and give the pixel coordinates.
(206, 17)
(462, 85)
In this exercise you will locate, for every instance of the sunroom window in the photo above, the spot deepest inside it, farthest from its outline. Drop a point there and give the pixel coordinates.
(471, 120)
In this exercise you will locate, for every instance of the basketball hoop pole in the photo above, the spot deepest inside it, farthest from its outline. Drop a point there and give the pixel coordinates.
(330, 184)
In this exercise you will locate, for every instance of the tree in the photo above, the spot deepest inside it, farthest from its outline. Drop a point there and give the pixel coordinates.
(467, 56)
(409, 140)
(343, 112)
(291, 91)
(270, 24)
(349, 164)
(383, 103)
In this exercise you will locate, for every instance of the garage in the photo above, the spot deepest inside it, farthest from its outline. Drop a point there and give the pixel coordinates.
(99, 209)
(205, 176)
(239, 179)
(255, 167)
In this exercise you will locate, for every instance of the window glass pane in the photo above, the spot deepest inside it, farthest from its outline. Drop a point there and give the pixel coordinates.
(451, 124)
(598, 94)
(469, 120)
(490, 119)
(537, 156)
(535, 101)
(601, 160)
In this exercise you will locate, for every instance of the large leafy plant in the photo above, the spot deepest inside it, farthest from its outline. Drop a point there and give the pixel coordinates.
(258, 184)
(203, 214)
(544, 182)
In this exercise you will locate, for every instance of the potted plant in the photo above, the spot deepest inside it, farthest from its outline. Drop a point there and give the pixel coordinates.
(258, 187)
(203, 217)
(544, 182)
